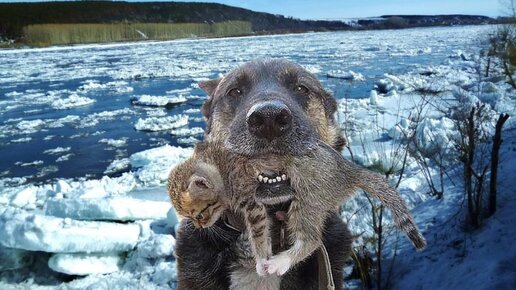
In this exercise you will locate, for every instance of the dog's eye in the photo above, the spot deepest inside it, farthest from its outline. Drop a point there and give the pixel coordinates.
(235, 93)
(300, 89)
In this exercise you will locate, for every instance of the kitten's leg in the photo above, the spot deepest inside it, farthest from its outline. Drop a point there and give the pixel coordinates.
(379, 187)
(305, 233)
(259, 236)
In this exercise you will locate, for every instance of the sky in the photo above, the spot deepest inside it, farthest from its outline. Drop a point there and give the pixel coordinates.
(339, 9)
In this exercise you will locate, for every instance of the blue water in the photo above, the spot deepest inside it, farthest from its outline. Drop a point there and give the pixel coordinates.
(155, 68)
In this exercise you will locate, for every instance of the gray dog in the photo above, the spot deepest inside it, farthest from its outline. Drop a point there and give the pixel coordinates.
(262, 107)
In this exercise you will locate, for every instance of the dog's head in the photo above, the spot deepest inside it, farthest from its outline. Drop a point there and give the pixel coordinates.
(270, 106)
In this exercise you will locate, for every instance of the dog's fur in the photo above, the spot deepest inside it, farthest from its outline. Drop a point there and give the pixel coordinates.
(207, 257)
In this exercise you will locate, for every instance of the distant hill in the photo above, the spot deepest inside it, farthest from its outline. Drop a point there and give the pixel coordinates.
(14, 16)
(425, 20)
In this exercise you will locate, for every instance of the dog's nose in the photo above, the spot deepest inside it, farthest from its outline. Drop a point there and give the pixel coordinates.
(269, 119)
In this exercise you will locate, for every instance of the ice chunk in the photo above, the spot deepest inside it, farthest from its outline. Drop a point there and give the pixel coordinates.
(157, 245)
(31, 126)
(183, 132)
(491, 94)
(189, 141)
(85, 264)
(114, 142)
(119, 208)
(34, 232)
(384, 86)
(65, 157)
(157, 101)
(22, 140)
(72, 101)
(57, 150)
(118, 165)
(345, 75)
(373, 98)
(434, 134)
(24, 197)
(154, 124)
(155, 164)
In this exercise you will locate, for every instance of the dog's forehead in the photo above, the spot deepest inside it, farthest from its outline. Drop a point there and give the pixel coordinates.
(267, 70)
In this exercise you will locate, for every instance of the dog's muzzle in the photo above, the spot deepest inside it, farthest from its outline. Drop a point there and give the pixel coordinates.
(269, 119)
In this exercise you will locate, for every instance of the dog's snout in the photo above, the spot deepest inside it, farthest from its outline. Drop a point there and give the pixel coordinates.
(269, 119)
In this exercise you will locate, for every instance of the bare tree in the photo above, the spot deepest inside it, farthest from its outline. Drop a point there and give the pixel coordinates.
(497, 142)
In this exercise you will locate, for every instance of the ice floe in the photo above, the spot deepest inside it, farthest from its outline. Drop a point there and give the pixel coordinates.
(35, 232)
(155, 124)
(183, 132)
(57, 150)
(122, 142)
(85, 264)
(345, 75)
(120, 208)
(157, 101)
(72, 101)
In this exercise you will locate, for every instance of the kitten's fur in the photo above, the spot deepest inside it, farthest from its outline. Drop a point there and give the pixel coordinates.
(215, 179)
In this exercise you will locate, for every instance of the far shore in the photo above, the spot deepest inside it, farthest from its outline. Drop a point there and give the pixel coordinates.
(17, 46)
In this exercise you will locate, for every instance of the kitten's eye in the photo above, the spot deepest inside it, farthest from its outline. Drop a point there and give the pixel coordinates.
(200, 184)
(300, 89)
(235, 92)
(199, 216)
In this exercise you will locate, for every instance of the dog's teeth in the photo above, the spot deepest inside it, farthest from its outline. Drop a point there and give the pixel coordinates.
(260, 178)
(284, 177)
(272, 180)
(265, 179)
(278, 178)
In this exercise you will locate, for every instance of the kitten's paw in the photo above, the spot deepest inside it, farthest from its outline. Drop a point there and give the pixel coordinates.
(261, 267)
(279, 264)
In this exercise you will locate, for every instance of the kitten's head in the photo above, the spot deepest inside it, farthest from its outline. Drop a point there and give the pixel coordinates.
(195, 189)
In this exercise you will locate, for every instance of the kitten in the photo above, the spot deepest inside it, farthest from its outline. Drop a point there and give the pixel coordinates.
(214, 179)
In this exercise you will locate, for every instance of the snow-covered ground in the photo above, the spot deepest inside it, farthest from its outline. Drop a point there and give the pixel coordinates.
(132, 111)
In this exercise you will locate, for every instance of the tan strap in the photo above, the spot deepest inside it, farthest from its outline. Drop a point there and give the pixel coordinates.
(325, 274)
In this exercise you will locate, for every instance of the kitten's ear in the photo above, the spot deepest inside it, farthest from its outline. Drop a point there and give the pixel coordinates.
(198, 182)
(209, 86)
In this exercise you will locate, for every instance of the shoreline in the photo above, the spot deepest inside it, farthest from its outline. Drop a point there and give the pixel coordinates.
(151, 42)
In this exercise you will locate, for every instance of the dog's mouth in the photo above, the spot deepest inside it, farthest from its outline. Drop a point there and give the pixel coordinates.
(273, 187)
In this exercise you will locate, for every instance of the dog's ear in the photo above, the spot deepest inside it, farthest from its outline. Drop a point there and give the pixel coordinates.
(209, 86)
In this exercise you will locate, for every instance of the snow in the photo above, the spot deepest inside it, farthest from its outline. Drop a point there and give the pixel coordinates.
(120, 208)
(157, 101)
(154, 124)
(85, 264)
(35, 232)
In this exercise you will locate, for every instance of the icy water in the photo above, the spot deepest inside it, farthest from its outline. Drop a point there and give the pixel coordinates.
(44, 134)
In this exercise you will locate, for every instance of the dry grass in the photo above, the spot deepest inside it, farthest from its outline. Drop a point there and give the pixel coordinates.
(59, 34)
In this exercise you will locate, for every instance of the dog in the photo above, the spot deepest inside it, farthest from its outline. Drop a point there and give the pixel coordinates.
(266, 106)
